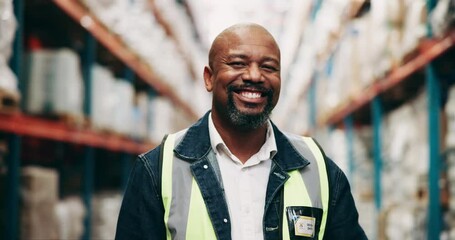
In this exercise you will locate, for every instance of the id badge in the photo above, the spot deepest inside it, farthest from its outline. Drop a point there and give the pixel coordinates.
(303, 222)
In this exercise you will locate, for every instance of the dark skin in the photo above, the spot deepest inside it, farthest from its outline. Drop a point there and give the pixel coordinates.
(247, 58)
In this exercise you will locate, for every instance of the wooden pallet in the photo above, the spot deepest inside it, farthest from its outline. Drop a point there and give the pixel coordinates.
(9, 101)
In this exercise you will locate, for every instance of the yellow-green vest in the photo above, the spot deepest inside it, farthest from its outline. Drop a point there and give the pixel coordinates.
(187, 213)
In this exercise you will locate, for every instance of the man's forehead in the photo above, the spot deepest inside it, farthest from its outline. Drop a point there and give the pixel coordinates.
(244, 51)
(247, 35)
(253, 40)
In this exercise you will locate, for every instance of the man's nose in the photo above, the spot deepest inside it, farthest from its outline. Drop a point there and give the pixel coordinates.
(253, 73)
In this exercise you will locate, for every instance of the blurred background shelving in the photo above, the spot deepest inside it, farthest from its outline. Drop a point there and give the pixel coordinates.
(86, 85)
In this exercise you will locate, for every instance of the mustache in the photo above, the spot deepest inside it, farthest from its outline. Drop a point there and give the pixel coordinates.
(251, 87)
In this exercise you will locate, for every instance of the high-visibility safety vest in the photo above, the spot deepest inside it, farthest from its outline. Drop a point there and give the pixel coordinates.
(186, 211)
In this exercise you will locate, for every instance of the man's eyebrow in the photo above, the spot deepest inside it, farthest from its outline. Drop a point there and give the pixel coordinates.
(264, 59)
(272, 59)
(242, 56)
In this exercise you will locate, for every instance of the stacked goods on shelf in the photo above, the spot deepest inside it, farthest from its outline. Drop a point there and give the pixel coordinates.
(177, 20)
(39, 198)
(55, 88)
(102, 104)
(450, 112)
(405, 171)
(70, 212)
(112, 102)
(295, 82)
(370, 47)
(55, 85)
(344, 55)
(320, 31)
(442, 18)
(123, 92)
(161, 115)
(359, 169)
(363, 179)
(319, 34)
(106, 207)
(140, 116)
(9, 93)
(450, 161)
(136, 25)
(117, 108)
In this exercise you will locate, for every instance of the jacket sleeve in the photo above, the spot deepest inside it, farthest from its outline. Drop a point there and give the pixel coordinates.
(142, 212)
(343, 218)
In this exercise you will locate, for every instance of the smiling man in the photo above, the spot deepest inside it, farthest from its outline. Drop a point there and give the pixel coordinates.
(234, 174)
(244, 66)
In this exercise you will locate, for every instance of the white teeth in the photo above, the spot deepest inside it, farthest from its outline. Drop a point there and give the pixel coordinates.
(251, 94)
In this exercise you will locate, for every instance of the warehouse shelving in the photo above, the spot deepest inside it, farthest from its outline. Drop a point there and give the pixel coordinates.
(369, 104)
(427, 51)
(87, 20)
(18, 126)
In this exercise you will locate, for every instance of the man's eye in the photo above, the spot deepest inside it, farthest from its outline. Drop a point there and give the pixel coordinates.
(236, 64)
(270, 68)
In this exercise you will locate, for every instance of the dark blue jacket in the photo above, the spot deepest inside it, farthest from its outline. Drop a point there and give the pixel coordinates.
(142, 212)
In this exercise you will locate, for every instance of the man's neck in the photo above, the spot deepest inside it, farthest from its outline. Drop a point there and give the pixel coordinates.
(243, 143)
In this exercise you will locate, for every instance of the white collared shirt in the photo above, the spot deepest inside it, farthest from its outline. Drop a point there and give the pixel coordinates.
(245, 185)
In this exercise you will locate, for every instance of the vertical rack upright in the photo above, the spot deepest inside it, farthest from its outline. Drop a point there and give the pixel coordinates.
(14, 141)
(434, 221)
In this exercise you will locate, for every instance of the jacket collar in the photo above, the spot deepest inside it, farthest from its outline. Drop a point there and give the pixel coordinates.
(196, 145)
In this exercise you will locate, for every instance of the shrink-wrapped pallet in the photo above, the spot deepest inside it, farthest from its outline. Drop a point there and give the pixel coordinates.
(67, 85)
(358, 167)
(161, 113)
(106, 207)
(39, 197)
(405, 167)
(103, 98)
(442, 17)
(140, 116)
(122, 113)
(38, 75)
(55, 84)
(450, 112)
(8, 24)
(70, 213)
(112, 102)
(449, 151)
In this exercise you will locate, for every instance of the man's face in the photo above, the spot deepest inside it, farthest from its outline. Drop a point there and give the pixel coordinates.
(245, 78)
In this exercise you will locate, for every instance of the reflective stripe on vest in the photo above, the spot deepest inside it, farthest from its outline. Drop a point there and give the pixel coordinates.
(198, 224)
(166, 179)
(185, 209)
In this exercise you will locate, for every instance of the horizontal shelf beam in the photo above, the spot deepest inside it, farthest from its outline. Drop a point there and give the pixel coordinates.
(429, 50)
(118, 48)
(24, 125)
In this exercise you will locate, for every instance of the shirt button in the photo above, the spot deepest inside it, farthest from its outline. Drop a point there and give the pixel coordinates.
(225, 220)
(205, 166)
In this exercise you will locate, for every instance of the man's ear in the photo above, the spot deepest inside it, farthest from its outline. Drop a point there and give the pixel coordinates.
(208, 78)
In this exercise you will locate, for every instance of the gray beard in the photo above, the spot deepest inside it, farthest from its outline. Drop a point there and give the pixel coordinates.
(248, 121)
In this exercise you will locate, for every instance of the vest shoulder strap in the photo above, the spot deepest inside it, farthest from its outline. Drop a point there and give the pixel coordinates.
(320, 156)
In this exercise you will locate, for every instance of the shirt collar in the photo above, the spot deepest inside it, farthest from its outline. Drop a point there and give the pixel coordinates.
(267, 151)
(195, 145)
